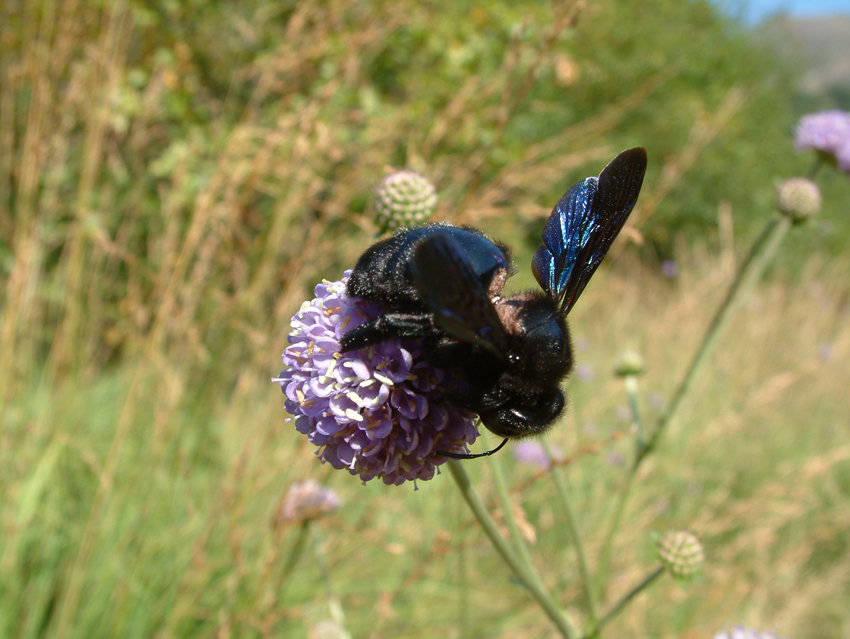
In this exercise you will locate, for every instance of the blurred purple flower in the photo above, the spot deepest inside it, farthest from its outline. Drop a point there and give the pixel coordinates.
(533, 454)
(307, 500)
(827, 132)
(614, 458)
(745, 633)
(585, 372)
(669, 268)
(376, 411)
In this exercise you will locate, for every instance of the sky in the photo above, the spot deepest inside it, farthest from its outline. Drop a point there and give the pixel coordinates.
(756, 10)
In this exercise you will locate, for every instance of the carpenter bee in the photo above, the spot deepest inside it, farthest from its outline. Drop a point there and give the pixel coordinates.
(506, 356)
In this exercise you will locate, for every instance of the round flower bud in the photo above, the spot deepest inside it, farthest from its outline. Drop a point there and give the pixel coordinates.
(404, 198)
(798, 198)
(630, 363)
(681, 553)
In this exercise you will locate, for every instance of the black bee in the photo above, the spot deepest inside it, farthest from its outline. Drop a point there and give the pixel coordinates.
(507, 356)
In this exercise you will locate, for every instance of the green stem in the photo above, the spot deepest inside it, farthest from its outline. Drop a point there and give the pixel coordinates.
(632, 393)
(624, 601)
(507, 508)
(532, 584)
(608, 544)
(751, 270)
(463, 586)
(334, 603)
(295, 551)
(560, 486)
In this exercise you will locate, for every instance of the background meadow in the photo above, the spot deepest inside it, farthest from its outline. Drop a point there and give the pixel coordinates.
(176, 177)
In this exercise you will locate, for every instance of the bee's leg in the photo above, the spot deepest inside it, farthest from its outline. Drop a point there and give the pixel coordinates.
(387, 327)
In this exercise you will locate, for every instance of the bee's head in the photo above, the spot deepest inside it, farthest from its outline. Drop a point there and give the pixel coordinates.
(525, 416)
(538, 338)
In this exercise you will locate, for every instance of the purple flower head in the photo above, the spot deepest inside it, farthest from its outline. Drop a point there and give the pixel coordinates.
(376, 411)
(827, 132)
(669, 268)
(745, 633)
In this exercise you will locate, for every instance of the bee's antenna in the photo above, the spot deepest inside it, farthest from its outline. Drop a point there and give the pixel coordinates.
(467, 456)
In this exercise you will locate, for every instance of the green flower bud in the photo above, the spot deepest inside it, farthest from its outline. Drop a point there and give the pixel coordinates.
(798, 198)
(630, 363)
(404, 198)
(681, 553)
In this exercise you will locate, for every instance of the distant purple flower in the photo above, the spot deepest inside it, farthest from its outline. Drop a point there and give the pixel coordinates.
(374, 411)
(307, 500)
(533, 454)
(827, 132)
(669, 268)
(826, 352)
(614, 458)
(745, 633)
(585, 372)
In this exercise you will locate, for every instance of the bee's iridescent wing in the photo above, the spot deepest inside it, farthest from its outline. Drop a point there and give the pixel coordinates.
(583, 226)
(446, 280)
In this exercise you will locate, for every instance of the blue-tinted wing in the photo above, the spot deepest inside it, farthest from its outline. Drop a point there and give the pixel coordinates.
(445, 278)
(583, 226)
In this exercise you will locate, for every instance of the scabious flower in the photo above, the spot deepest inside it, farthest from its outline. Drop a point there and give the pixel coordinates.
(827, 132)
(404, 198)
(377, 411)
(745, 633)
(307, 500)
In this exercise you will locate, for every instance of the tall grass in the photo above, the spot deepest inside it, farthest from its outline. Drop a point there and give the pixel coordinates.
(175, 177)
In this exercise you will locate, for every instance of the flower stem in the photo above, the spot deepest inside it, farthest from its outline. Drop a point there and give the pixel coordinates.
(624, 601)
(297, 547)
(608, 543)
(531, 582)
(761, 254)
(631, 382)
(751, 270)
(507, 508)
(563, 496)
(334, 603)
